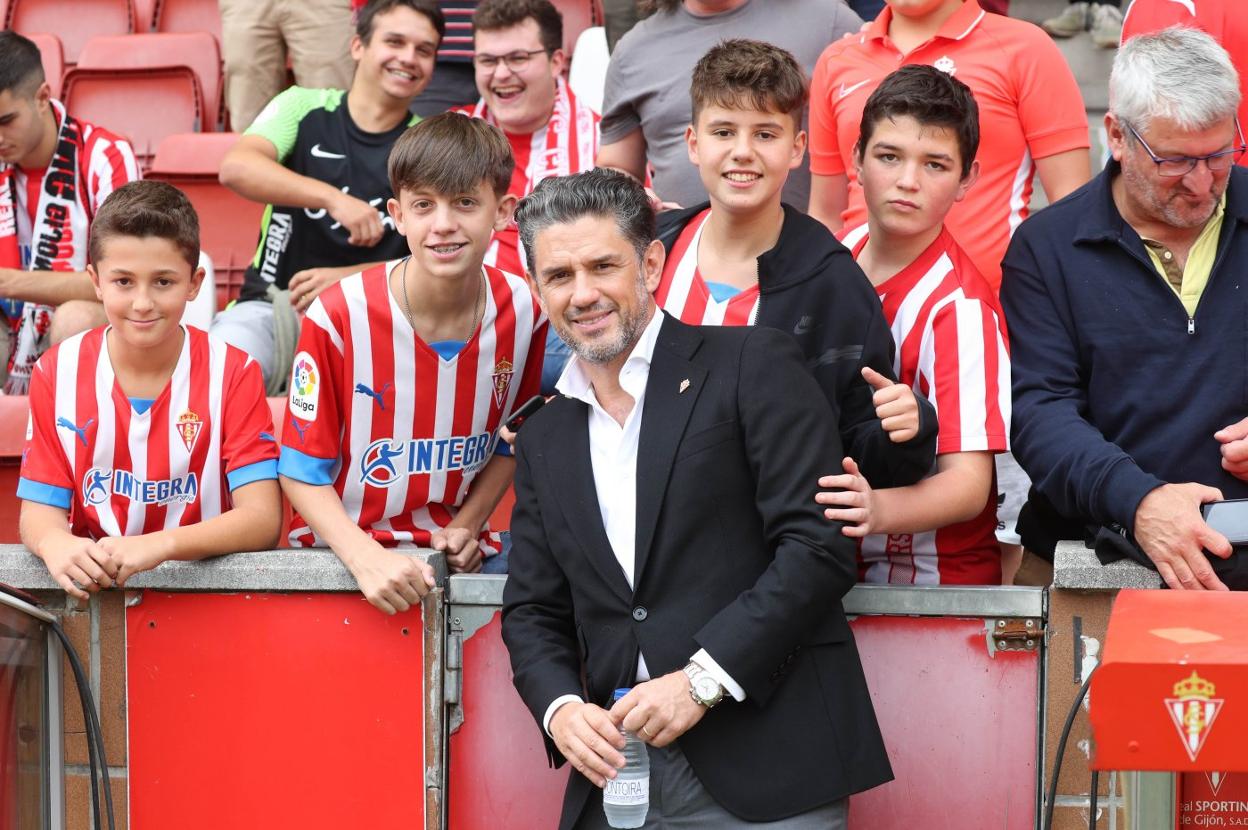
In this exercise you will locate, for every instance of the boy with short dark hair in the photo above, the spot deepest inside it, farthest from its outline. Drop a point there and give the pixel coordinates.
(405, 371)
(148, 440)
(745, 258)
(916, 159)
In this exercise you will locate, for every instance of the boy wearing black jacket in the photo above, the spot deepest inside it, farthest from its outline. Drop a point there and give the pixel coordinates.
(745, 258)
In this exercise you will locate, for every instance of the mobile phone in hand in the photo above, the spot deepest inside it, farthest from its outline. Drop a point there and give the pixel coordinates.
(526, 410)
(1230, 518)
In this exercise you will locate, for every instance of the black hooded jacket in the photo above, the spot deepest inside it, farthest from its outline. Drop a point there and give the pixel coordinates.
(810, 287)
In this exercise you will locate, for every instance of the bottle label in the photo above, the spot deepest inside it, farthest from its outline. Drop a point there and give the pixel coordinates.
(627, 793)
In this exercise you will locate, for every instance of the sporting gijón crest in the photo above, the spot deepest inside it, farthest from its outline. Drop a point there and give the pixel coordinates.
(189, 425)
(1193, 710)
(501, 381)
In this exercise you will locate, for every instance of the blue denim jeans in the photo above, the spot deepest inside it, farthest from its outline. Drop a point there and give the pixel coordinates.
(557, 354)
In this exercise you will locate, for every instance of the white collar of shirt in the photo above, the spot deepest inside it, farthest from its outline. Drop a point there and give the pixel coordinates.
(575, 383)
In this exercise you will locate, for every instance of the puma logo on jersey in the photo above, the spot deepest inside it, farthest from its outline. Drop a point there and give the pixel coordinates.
(81, 431)
(849, 90)
(325, 154)
(378, 396)
(299, 429)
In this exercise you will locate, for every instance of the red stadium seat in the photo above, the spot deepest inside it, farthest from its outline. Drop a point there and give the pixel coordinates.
(144, 105)
(74, 23)
(53, 60)
(578, 15)
(144, 14)
(228, 224)
(197, 50)
(187, 16)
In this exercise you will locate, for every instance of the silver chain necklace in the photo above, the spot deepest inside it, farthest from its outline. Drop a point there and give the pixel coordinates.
(478, 314)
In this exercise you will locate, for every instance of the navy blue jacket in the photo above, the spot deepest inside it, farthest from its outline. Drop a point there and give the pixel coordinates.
(1116, 389)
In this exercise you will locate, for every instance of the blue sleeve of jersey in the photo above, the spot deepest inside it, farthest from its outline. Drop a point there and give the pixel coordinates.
(48, 494)
(502, 448)
(306, 468)
(259, 471)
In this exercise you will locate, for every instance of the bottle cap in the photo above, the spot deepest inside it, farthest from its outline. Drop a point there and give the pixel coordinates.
(619, 693)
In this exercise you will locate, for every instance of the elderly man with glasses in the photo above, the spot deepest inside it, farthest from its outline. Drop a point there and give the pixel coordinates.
(1127, 305)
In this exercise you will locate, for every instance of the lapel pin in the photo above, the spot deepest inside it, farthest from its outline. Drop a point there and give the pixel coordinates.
(684, 384)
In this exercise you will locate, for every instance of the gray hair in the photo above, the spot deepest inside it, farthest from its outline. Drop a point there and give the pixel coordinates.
(1179, 73)
(598, 192)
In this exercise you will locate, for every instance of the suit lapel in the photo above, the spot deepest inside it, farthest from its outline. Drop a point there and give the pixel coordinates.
(572, 480)
(671, 392)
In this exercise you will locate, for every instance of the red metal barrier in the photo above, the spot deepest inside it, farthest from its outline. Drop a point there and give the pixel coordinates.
(959, 718)
(274, 710)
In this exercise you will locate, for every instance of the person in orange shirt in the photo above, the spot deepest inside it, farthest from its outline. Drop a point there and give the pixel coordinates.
(1031, 115)
(1211, 16)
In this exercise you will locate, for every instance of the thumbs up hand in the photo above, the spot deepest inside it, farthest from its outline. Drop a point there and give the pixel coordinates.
(895, 406)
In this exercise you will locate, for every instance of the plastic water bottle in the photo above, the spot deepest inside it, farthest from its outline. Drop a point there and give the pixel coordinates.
(626, 798)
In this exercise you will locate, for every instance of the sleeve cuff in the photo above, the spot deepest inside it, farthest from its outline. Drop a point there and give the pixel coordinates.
(553, 707)
(706, 661)
(306, 468)
(259, 471)
(502, 448)
(1123, 490)
(1060, 141)
(48, 494)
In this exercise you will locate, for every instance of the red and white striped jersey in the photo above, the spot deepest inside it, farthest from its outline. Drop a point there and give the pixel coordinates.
(124, 473)
(952, 348)
(683, 292)
(567, 144)
(399, 431)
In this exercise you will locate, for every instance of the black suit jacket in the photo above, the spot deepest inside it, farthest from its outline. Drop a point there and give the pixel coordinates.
(733, 555)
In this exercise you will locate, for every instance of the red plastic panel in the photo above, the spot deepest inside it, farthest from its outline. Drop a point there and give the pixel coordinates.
(959, 724)
(499, 777)
(1175, 666)
(273, 710)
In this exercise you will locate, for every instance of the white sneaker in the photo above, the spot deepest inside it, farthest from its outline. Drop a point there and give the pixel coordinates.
(1106, 26)
(1074, 19)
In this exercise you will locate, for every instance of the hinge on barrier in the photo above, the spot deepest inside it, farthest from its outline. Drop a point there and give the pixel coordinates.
(453, 683)
(1016, 634)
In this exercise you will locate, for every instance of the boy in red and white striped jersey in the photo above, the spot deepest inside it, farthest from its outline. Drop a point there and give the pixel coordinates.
(519, 63)
(148, 440)
(915, 159)
(404, 373)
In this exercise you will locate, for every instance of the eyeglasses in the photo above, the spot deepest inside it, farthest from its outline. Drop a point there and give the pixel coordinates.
(516, 61)
(1182, 165)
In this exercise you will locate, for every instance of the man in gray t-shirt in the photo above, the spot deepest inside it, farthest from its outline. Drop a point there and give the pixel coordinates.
(646, 107)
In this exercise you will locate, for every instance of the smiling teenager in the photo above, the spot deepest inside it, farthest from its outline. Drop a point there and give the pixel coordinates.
(744, 258)
(148, 440)
(317, 159)
(405, 371)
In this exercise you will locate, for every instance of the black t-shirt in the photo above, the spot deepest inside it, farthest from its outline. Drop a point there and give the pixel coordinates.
(315, 137)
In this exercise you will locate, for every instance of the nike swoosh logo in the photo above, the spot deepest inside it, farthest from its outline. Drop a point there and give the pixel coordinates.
(849, 90)
(1190, 5)
(325, 154)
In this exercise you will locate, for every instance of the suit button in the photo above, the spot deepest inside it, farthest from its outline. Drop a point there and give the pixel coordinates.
(640, 614)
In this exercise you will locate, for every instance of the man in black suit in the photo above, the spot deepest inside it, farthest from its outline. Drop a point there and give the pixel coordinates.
(666, 538)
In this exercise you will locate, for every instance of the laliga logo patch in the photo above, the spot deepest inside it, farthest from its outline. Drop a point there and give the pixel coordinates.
(188, 428)
(1193, 710)
(377, 466)
(305, 384)
(501, 380)
(95, 486)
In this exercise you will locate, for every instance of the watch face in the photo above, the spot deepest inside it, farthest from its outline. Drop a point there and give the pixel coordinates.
(707, 688)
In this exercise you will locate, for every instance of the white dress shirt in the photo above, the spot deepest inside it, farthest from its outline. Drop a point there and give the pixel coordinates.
(613, 455)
